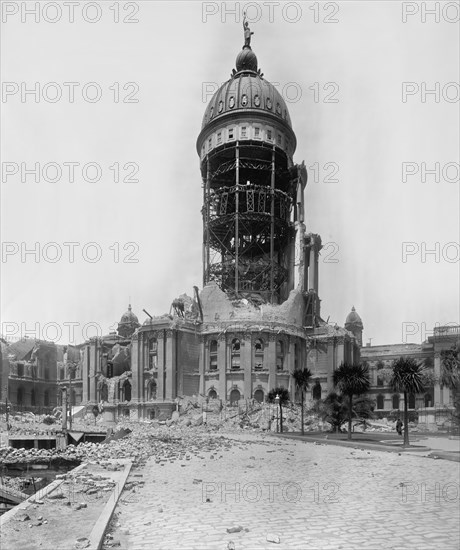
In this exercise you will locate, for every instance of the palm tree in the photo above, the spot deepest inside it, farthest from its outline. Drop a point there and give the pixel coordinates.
(450, 376)
(283, 395)
(335, 409)
(351, 380)
(302, 378)
(407, 377)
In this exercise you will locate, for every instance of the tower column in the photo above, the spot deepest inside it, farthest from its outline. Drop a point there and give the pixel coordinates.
(237, 218)
(272, 227)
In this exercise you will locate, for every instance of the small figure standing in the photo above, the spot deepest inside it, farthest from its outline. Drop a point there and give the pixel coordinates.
(247, 32)
(399, 426)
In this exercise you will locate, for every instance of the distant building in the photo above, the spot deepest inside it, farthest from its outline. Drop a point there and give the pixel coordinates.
(434, 404)
(32, 366)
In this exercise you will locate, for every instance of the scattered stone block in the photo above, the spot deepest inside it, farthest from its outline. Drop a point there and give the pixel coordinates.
(235, 529)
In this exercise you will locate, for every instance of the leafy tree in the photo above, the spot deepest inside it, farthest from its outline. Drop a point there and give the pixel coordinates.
(283, 395)
(302, 378)
(408, 377)
(351, 380)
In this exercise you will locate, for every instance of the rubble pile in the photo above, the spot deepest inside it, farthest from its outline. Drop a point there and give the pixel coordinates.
(163, 443)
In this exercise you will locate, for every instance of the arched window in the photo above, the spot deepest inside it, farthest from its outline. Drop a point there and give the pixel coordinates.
(235, 396)
(412, 401)
(235, 364)
(151, 390)
(212, 394)
(395, 402)
(380, 366)
(153, 353)
(279, 355)
(126, 391)
(316, 391)
(259, 396)
(428, 400)
(104, 393)
(258, 354)
(380, 401)
(213, 355)
(20, 396)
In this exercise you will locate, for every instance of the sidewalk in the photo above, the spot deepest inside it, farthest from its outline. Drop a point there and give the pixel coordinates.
(421, 445)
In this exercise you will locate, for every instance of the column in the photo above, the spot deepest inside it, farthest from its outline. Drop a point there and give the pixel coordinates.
(291, 366)
(271, 361)
(222, 366)
(170, 364)
(246, 362)
(93, 368)
(136, 369)
(202, 363)
(84, 372)
(161, 365)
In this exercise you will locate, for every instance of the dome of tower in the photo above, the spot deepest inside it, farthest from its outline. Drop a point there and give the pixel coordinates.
(247, 91)
(128, 323)
(353, 319)
(129, 317)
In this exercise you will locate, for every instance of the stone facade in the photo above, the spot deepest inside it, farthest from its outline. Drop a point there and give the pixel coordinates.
(434, 405)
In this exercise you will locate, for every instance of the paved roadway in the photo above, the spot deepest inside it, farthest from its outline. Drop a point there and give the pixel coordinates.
(311, 496)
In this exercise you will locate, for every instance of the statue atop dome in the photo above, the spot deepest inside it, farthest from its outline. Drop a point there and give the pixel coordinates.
(247, 33)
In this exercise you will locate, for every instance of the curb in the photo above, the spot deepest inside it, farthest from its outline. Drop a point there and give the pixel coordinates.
(96, 536)
(354, 444)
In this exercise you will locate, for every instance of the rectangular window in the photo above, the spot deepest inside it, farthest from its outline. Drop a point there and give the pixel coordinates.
(231, 133)
(219, 137)
(209, 143)
(257, 132)
(278, 139)
(269, 135)
(243, 131)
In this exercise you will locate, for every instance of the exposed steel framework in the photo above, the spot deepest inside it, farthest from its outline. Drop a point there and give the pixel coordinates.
(248, 220)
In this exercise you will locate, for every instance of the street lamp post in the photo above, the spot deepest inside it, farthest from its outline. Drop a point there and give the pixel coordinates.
(277, 403)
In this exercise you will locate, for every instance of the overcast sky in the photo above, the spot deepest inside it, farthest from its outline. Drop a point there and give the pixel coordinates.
(174, 52)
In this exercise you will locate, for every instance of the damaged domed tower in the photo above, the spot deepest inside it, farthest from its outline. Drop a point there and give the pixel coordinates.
(257, 318)
(260, 269)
